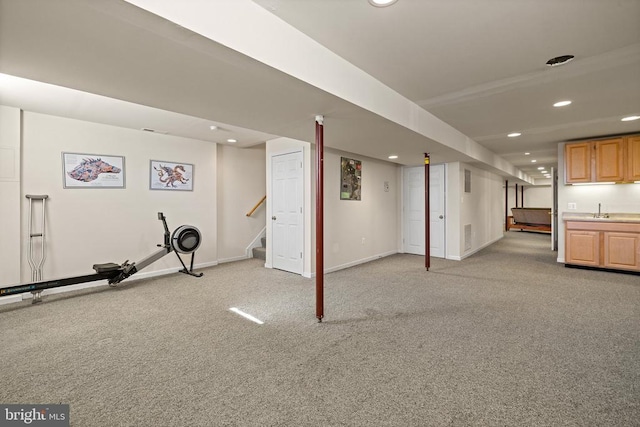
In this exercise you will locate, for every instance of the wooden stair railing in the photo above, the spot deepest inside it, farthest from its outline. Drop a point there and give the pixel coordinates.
(256, 206)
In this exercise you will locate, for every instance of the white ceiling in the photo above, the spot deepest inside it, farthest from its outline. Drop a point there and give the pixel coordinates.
(478, 65)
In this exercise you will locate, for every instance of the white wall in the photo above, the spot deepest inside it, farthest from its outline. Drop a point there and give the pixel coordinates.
(375, 218)
(87, 226)
(241, 184)
(10, 195)
(360, 231)
(614, 198)
(483, 208)
(538, 196)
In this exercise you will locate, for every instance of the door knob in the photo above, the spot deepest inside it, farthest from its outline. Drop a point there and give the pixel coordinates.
(441, 216)
(273, 218)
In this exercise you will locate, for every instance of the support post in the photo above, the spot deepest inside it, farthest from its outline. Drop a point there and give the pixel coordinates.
(516, 194)
(427, 214)
(319, 218)
(522, 196)
(506, 205)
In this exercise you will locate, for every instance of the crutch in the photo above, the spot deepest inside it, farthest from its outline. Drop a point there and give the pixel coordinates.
(36, 265)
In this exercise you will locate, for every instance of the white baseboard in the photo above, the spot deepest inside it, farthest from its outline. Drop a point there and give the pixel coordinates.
(353, 263)
(70, 288)
(11, 299)
(479, 249)
(235, 258)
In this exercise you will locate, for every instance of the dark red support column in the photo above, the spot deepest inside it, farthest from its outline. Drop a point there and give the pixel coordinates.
(506, 205)
(522, 196)
(516, 194)
(427, 214)
(319, 218)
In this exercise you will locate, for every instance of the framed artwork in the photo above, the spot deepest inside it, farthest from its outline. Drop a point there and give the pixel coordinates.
(170, 176)
(350, 179)
(92, 171)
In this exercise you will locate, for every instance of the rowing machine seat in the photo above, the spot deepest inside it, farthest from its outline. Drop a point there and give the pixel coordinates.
(106, 267)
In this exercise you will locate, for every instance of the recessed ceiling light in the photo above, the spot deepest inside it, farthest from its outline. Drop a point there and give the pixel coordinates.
(232, 140)
(544, 172)
(393, 157)
(514, 134)
(526, 154)
(559, 60)
(382, 3)
(562, 103)
(213, 127)
(533, 161)
(541, 168)
(630, 118)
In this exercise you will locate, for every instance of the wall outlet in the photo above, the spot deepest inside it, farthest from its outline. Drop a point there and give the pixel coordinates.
(572, 206)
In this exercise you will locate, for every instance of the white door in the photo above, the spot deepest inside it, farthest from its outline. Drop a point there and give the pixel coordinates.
(287, 225)
(413, 233)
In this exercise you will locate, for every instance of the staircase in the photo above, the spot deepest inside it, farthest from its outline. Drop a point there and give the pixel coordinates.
(261, 252)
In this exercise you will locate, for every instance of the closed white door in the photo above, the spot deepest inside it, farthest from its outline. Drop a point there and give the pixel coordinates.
(413, 235)
(287, 231)
(413, 210)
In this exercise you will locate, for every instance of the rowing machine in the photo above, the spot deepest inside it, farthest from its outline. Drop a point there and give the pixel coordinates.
(185, 239)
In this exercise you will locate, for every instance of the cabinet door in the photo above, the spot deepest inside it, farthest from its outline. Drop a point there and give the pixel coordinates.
(622, 250)
(582, 247)
(633, 158)
(577, 161)
(610, 160)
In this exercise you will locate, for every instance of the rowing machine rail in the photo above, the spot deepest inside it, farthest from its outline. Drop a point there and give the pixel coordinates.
(186, 239)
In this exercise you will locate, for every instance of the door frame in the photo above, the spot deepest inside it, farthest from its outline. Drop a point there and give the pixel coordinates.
(444, 207)
(269, 207)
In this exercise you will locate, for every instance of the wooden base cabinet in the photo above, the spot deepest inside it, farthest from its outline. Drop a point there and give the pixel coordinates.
(612, 245)
(622, 250)
(582, 247)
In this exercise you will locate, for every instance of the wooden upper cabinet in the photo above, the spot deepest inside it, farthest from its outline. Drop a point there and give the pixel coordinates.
(633, 158)
(609, 158)
(577, 159)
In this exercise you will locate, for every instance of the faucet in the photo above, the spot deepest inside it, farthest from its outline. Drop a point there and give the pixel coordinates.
(599, 214)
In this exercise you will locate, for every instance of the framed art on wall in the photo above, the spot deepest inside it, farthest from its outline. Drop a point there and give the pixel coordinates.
(350, 179)
(170, 176)
(92, 171)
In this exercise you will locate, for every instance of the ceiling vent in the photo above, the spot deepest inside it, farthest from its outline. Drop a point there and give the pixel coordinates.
(559, 60)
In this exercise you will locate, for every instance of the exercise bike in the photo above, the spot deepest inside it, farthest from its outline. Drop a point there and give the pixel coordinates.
(185, 239)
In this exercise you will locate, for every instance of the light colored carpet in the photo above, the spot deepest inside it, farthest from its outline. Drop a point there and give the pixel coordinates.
(507, 337)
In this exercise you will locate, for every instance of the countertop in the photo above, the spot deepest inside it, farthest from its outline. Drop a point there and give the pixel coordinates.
(605, 217)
